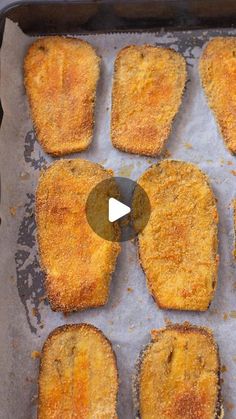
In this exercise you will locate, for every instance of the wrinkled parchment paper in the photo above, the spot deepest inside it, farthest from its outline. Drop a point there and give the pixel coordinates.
(26, 318)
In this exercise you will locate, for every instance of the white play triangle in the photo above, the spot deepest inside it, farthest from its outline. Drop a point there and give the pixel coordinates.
(117, 210)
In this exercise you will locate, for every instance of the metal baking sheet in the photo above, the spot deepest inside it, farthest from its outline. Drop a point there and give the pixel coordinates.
(26, 318)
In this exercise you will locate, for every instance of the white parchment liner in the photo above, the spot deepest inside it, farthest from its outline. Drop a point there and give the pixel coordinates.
(131, 313)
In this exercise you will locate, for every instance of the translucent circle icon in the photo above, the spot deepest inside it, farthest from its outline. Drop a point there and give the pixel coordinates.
(118, 209)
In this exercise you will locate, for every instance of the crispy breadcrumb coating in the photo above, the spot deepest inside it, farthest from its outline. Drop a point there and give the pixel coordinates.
(178, 247)
(218, 76)
(147, 91)
(78, 263)
(78, 375)
(180, 375)
(61, 75)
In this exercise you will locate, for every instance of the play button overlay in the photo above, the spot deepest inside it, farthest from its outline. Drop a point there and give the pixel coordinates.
(117, 209)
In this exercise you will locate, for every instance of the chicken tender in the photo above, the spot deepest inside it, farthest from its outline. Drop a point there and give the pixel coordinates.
(78, 375)
(218, 76)
(178, 247)
(179, 375)
(61, 75)
(147, 91)
(78, 263)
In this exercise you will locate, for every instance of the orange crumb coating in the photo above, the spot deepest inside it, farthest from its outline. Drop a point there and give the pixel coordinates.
(147, 91)
(180, 375)
(78, 375)
(61, 75)
(78, 263)
(178, 247)
(218, 76)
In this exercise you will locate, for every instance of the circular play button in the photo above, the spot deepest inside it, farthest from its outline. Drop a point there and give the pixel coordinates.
(117, 209)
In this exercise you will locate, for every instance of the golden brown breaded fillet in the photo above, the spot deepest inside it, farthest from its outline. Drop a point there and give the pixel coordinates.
(78, 375)
(77, 262)
(147, 91)
(61, 75)
(179, 375)
(218, 77)
(178, 247)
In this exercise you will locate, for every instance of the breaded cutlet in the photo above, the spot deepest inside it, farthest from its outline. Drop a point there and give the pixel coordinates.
(77, 262)
(60, 77)
(148, 85)
(179, 375)
(218, 77)
(78, 375)
(179, 246)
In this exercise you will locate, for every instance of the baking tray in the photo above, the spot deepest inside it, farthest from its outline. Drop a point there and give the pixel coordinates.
(86, 16)
(25, 317)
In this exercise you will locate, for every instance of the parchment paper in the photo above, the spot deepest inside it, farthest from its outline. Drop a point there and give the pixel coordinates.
(26, 318)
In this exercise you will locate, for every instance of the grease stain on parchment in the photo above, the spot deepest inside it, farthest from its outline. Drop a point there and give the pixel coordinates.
(34, 157)
(30, 277)
(126, 170)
